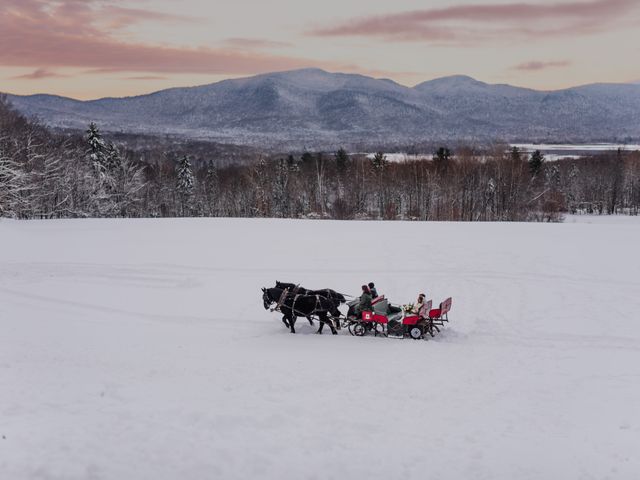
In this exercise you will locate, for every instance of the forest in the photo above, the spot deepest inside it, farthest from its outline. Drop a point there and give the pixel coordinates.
(46, 174)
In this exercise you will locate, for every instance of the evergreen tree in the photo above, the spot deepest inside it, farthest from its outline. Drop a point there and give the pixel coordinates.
(535, 162)
(379, 161)
(306, 158)
(515, 154)
(280, 192)
(441, 158)
(98, 148)
(113, 159)
(211, 187)
(292, 164)
(341, 160)
(185, 185)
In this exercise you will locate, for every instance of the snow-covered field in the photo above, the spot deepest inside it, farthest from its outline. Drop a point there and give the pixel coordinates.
(140, 349)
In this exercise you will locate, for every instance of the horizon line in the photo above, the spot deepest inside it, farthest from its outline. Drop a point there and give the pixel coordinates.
(247, 77)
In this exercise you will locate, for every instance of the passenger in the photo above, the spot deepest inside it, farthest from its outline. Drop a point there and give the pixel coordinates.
(365, 302)
(419, 303)
(414, 308)
(372, 289)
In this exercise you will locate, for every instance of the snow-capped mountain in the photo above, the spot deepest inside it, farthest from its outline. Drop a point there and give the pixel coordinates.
(318, 109)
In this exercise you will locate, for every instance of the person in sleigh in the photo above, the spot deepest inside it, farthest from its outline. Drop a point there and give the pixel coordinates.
(414, 308)
(363, 305)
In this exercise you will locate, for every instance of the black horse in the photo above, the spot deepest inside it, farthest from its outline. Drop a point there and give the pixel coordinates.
(276, 292)
(325, 292)
(297, 305)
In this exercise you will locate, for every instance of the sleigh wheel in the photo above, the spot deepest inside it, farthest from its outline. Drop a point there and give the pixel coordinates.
(379, 329)
(415, 333)
(359, 330)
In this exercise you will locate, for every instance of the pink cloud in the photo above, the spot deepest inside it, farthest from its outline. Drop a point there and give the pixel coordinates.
(37, 75)
(79, 34)
(467, 23)
(252, 43)
(120, 17)
(535, 65)
(147, 77)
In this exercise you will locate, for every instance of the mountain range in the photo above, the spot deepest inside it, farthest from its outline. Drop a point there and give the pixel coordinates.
(312, 108)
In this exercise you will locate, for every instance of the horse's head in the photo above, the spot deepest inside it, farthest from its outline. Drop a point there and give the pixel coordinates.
(266, 299)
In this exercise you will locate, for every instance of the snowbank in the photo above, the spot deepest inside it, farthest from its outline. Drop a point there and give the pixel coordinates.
(140, 349)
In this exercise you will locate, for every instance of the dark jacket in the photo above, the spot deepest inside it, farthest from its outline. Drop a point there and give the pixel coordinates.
(374, 292)
(365, 302)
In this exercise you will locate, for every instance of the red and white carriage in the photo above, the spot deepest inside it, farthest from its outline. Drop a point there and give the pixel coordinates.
(388, 320)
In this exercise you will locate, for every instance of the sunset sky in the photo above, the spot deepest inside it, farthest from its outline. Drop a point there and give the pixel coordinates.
(94, 48)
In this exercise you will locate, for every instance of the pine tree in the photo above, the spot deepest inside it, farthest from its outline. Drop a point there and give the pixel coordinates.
(379, 161)
(515, 154)
(341, 160)
(442, 158)
(536, 162)
(211, 187)
(113, 159)
(306, 158)
(280, 192)
(185, 185)
(98, 148)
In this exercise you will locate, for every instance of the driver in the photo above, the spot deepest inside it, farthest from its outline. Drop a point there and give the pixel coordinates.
(364, 305)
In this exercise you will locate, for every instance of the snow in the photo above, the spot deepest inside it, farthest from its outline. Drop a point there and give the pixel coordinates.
(140, 349)
(399, 157)
(603, 219)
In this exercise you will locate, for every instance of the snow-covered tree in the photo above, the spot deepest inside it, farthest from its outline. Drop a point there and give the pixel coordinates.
(185, 185)
(98, 149)
(128, 183)
(12, 184)
(211, 188)
(280, 190)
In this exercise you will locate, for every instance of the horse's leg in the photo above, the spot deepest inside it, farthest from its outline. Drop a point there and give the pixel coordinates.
(321, 321)
(292, 323)
(336, 319)
(310, 320)
(284, 320)
(330, 323)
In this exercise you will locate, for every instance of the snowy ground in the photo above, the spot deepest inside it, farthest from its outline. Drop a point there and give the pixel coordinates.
(140, 349)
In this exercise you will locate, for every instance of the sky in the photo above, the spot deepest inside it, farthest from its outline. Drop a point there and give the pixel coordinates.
(95, 48)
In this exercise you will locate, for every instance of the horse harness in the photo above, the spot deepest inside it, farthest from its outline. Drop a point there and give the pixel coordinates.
(317, 307)
(283, 295)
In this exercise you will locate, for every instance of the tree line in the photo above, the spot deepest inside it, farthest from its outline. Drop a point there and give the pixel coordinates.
(49, 175)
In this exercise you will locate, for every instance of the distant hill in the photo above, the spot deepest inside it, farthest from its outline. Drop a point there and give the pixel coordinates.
(317, 109)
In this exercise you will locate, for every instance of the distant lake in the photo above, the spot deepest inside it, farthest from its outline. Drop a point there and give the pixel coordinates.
(551, 151)
(556, 151)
